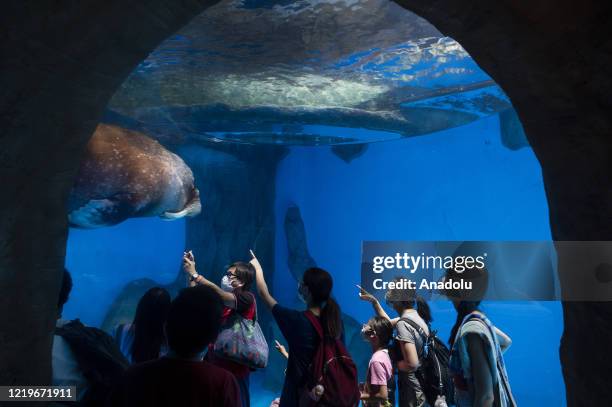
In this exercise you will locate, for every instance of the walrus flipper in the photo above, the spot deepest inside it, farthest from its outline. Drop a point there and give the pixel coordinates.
(101, 212)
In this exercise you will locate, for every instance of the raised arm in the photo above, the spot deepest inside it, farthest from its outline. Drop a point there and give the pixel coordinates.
(262, 286)
(378, 309)
(189, 267)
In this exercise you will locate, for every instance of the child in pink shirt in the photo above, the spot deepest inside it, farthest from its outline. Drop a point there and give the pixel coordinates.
(376, 393)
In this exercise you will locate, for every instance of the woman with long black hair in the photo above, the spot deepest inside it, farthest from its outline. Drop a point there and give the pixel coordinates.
(477, 363)
(144, 339)
(315, 291)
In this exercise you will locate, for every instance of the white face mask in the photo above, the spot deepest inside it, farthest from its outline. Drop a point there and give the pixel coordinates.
(226, 285)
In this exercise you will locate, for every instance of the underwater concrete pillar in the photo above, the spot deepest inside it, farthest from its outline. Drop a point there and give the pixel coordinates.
(237, 184)
(60, 62)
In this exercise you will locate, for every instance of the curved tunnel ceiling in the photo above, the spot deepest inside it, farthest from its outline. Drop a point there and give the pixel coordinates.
(298, 72)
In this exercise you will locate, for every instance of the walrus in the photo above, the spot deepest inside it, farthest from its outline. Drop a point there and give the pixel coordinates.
(125, 174)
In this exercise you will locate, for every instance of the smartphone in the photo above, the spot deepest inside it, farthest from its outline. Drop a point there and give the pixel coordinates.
(189, 254)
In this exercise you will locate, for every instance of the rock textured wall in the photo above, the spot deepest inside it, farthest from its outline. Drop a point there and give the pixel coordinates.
(61, 61)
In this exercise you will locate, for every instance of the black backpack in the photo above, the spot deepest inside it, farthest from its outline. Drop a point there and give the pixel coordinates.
(433, 374)
(99, 358)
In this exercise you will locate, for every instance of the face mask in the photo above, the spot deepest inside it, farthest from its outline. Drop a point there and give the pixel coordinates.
(226, 285)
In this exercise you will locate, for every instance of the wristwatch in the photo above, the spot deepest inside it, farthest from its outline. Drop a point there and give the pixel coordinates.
(194, 276)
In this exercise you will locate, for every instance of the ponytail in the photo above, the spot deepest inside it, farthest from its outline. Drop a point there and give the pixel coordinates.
(423, 309)
(331, 318)
(319, 283)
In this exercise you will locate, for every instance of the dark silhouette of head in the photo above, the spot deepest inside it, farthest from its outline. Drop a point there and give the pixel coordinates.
(64, 293)
(315, 288)
(149, 321)
(194, 320)
(466, 300)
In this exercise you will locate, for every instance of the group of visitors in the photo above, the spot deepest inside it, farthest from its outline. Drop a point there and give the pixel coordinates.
(200, 348)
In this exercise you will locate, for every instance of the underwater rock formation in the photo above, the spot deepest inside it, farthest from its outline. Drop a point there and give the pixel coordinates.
(124, 306)
(126, 174)
(298, 256)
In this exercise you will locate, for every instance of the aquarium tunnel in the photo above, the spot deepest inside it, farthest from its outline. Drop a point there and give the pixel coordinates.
(309, 128)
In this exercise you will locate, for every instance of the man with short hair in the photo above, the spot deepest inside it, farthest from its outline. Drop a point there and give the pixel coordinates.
(182, 377)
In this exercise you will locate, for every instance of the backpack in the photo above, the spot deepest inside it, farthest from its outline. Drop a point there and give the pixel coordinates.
(433, 374)
(333, 368)
(99, 358)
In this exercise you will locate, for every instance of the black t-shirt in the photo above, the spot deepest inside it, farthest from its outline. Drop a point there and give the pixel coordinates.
(244, 300)
(303, 341)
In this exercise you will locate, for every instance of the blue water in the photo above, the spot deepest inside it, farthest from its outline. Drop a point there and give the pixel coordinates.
(458, 184)
(102, 261)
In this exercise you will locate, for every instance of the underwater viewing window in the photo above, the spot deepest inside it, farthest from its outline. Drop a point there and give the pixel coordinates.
(302, 129)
